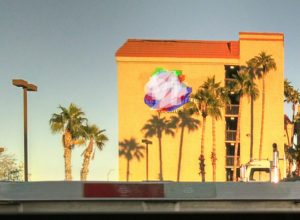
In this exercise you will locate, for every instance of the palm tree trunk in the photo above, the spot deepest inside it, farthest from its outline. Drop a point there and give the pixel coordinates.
(251, 127)
(160, 160)
(86, 161)
(202, 158)
(262, 118)
(128, 169)
(293, 109)
(213, 153)
(67, 156)
(67, 138)
(237, 141)
(180, 154)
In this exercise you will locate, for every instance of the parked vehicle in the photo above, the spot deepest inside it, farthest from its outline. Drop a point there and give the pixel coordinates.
(261, 170)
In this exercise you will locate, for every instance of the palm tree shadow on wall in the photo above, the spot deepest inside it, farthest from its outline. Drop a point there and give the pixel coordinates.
(184, 120)
(130, 149)
(157, 126)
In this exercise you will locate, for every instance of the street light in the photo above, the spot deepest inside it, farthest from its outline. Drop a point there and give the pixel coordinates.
(146, 141)
(108, 173)
(32, 88)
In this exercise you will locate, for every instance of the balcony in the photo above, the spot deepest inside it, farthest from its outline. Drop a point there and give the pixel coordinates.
(230, 161)
(228, 81)
(230, 135)
(232, 110)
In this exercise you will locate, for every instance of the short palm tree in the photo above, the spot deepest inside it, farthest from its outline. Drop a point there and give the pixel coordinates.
(291, 96)
(184, 120)
(294, 153)
(130, 149)
(242, 85)
(265, 63)
(69, 121)
(95, 137)
(156, 126)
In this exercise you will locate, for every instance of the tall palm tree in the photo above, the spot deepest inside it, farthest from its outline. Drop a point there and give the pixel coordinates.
(130, 149)
(253, 71)
(218, 97)
(242, 85)
(156, 126)
(265, 63)
(184, 120)
(202, 98)
(214, 111)
(69, 121)
(95, 136)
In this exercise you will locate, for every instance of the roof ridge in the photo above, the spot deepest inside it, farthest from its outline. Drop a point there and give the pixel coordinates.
(179, 48)
(184, 41)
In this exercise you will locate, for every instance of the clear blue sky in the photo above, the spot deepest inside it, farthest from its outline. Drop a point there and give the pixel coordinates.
(67, 47)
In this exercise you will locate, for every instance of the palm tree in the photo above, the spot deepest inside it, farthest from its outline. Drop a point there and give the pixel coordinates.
(202, 99)
(156, 126)
(291, 96)
(95, 136)
(184, 120)
(218, 97)
(214, 111)
(243, 85)
(265, 63)
(69, 122)
(253, 72)
(130, 149)
(294, 154)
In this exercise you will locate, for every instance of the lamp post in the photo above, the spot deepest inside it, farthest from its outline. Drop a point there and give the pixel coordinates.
(108, 173)
(32, 88)
(146, 141)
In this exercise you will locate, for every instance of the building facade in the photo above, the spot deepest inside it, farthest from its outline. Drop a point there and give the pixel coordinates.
(198, 60)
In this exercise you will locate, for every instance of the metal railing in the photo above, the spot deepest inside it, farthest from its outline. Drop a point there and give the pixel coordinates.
(232, 110)
(230, 135)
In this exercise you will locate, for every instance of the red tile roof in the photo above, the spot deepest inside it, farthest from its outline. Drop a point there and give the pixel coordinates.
(179, 49)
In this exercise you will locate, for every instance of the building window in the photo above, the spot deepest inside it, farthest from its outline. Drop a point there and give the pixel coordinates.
(229, 174)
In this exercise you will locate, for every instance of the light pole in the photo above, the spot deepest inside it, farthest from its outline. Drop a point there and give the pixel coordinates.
(32, 88)
(108, 173)
(146, 141)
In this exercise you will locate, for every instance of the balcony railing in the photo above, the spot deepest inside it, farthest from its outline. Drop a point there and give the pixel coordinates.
(230, 161)
(230, 135)
(232, 110)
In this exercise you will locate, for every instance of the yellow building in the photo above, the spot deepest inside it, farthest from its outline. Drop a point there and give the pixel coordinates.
(198, 60)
